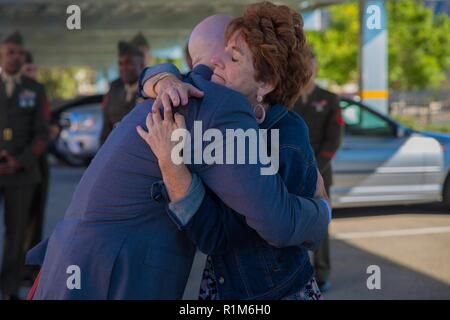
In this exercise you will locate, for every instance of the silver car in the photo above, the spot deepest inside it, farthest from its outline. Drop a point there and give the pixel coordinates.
(380, 162)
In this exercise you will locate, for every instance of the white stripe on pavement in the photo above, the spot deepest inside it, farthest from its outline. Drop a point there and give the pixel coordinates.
(391, 233)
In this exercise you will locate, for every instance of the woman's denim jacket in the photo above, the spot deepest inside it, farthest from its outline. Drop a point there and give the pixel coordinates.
(245, 266)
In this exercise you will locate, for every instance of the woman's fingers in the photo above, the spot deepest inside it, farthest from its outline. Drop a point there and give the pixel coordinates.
(168, 115)
(166, 101)
(180, 121)
(174, 98)
(142, 133)
(156, 117)
(183, 92)
(157, 104)
(194, 92)
(149, 121)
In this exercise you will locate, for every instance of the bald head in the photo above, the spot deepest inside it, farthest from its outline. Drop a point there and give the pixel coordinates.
(208, 38)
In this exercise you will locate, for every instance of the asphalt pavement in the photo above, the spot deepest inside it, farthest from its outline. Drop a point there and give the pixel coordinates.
(395, 252)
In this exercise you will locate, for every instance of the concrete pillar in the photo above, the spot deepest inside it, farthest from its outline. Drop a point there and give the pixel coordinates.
(373, 61)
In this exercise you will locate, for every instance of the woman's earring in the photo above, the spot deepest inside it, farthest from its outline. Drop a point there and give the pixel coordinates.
(260, 111)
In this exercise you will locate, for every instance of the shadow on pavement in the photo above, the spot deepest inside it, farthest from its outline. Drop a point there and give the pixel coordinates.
(349, 277)
(425, 208)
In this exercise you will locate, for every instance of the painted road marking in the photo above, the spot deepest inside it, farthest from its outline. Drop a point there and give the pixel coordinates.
(391, 233)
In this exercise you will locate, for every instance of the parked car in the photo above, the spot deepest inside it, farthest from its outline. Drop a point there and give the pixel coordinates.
(381, 162)
(80, 122)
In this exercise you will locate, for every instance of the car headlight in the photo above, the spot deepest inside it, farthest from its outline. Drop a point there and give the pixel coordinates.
(87, 124)
(84, 123)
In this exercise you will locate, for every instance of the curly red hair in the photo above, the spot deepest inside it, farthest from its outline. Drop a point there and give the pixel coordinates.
(276, 39)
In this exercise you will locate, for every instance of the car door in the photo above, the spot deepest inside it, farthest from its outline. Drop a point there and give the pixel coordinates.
(375, 164)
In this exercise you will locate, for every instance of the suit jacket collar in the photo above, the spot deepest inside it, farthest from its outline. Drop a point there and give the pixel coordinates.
(203, 71)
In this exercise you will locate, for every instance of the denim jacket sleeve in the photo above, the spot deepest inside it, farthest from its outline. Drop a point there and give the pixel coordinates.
(279, 217)
(149, 72)
(208, 222)
(182, 210)
(216, 228)
(298, 170)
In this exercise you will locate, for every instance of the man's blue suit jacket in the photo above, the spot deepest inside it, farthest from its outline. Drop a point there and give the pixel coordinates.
(117, 233)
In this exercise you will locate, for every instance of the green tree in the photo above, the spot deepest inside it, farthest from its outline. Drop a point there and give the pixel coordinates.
(337, 47)
(418, 45)
(60, 83)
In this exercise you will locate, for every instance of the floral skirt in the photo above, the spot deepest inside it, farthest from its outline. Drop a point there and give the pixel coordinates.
(309, 292)
(208, 287)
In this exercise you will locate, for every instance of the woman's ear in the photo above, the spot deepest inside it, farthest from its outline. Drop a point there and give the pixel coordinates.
(264, 89)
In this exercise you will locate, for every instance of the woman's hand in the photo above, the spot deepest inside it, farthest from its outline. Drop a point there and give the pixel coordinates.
(159, 135)
(177, 177)
(170, 91)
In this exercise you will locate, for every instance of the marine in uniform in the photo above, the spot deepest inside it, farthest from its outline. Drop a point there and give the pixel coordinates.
(122, 95)
(321, 112)
(23, 139)
(143, 45)
(37, 213)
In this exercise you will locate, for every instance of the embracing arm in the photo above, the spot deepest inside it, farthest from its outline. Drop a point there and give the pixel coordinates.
(207, 221)
(279, 217)
(148, 78)
(214, 227)
(163, 83)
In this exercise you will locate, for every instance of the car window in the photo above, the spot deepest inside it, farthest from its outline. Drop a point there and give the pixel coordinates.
(361, 122)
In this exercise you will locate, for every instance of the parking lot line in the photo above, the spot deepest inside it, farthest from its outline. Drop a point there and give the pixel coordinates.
(391, 233)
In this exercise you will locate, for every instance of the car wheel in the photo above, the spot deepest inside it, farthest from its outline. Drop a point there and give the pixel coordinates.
(446, 194)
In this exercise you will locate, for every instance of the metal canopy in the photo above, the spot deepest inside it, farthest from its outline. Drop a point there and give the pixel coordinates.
(165, 23)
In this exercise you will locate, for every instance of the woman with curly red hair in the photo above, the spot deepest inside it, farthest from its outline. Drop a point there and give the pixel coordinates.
(265, 59)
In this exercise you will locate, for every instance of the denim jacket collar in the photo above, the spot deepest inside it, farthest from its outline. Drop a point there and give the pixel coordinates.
(273, 115)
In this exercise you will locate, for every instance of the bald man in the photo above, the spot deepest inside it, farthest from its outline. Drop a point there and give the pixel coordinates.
(117, 241)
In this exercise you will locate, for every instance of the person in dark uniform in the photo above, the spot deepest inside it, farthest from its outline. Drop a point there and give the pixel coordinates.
(142, 44)
(321, 112)
(37, 213)
(29, 68)
(122, 94)
(23, 139)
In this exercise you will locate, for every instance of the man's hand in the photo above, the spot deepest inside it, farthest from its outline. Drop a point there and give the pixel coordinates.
(9, 164)
(170, 92)
(321, 193)
(320, 188)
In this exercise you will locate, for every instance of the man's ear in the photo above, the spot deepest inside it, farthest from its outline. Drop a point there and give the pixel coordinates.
(265, 88)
